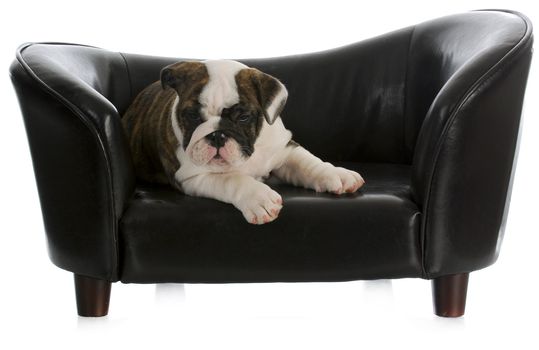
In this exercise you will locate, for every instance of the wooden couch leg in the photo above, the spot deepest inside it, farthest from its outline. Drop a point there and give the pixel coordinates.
(449, 294)
(93, 296)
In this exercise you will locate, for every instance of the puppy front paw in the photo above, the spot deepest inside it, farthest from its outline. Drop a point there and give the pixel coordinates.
(337, 180)
(260, 205)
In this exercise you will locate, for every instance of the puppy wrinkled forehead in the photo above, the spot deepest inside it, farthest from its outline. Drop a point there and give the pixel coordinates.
(221, 90)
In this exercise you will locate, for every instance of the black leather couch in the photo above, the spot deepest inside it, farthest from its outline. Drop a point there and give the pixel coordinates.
(429, 115)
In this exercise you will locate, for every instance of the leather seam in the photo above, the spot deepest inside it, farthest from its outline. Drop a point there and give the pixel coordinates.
(75, 110)
(420, 241)
(128, 76)
(496, 68)
(405, 104)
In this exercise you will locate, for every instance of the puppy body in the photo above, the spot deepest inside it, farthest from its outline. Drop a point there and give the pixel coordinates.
(213, 129)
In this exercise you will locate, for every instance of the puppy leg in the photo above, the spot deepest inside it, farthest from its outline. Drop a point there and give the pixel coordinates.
(258, 203)
(302, 168)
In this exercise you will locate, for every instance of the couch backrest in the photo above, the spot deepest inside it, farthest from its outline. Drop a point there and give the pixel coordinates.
(362, 102)
(343, 104)
(367, 101)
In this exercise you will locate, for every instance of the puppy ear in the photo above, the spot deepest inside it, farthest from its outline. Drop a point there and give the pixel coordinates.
(273, 96)
(167, 78)
(270, 93)
(182, 74)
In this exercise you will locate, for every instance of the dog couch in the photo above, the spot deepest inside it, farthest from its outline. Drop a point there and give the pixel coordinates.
(429, 115)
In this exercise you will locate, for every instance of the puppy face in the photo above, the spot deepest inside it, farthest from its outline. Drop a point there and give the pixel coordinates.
(220, 109)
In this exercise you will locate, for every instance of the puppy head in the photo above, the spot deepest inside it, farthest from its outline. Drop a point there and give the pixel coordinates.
(221, 108)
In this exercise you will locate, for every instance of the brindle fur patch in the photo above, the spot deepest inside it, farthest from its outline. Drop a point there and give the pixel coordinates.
(245, 132)
(256, 92)
(148, 123)
(260, 88)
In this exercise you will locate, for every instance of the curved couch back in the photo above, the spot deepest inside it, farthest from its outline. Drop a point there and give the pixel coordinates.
(363, 102)
(343, 104)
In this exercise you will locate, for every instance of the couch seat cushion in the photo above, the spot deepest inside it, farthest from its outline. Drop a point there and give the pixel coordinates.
(166, 236)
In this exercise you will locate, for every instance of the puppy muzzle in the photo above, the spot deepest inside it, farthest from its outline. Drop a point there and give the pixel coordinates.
(209, 146)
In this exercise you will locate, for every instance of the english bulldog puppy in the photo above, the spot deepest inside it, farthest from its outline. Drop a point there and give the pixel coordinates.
(213, 129)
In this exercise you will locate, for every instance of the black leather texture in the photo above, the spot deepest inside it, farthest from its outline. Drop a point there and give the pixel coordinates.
(167, 236)
(81, 160)
(428, 114)
(464, 154)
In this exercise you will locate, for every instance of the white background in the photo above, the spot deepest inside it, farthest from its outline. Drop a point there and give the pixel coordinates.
(37, 305)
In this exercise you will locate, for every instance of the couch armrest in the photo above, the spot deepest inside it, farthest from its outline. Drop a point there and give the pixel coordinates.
(82, 163)
(464, 158)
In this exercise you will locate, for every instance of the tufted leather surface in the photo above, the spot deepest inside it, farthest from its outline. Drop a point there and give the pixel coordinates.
(167, 236)
(430, 114)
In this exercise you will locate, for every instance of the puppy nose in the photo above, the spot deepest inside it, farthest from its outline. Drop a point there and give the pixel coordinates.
(217, 139)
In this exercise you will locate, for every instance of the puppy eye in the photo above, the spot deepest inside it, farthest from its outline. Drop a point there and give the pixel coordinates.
(193, 116)
(244, 118)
